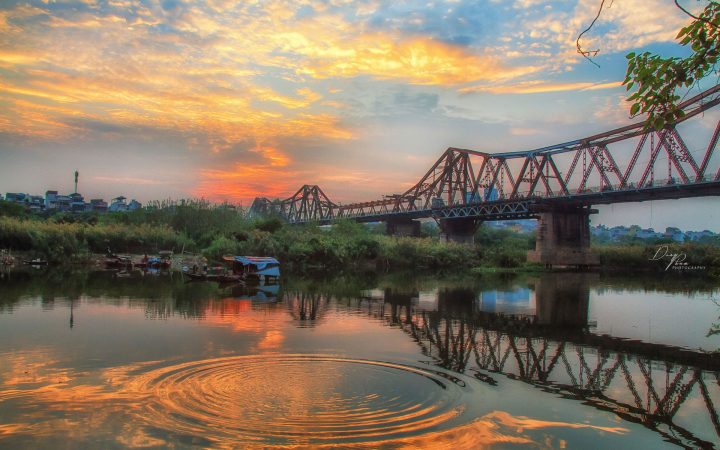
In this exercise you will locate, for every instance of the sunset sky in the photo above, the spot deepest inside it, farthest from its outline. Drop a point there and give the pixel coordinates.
(229, 101)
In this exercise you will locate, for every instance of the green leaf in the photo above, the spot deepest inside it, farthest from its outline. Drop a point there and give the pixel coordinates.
(658, 123)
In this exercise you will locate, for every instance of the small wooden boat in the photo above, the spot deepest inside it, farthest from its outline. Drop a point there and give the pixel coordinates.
(230, 279)
(255, 267)
(196, 276)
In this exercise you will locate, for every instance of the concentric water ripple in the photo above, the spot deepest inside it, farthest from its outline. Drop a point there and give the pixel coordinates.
(301, 399)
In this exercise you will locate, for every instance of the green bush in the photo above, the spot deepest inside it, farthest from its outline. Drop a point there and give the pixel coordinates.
(58, 241)
(649, 257)
(221, 246)
(11, 209)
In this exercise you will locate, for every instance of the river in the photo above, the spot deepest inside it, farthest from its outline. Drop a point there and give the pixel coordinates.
(91, 359)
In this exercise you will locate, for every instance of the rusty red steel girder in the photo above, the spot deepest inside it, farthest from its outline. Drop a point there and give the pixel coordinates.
(625, 164)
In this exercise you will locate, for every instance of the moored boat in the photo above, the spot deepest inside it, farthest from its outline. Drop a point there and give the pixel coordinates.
(196, 276)
(255, 267)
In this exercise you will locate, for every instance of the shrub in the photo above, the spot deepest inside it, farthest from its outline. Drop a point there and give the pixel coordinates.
(58, 241)
(221, 246)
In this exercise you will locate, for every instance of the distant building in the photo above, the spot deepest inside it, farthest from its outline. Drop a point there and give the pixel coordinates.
(51, 200)
(35, 202)
(118, 204)
(15, 197)
(63, 202)
(133, 205)
(98, 205)
(77, 202)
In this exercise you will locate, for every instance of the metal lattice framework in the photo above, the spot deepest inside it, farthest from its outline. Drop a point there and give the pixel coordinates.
(308, 204)
(621, 165)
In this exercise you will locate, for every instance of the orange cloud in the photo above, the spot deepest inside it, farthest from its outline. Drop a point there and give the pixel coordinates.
(143, 78)
(9, 58)
(537, 86)
(275, 156)
(243, 182)
(418, 61)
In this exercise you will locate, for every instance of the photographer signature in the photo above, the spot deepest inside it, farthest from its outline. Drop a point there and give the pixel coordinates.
(675, 260)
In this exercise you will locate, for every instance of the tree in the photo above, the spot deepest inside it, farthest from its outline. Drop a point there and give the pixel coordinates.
(656, 80)
(11, 209)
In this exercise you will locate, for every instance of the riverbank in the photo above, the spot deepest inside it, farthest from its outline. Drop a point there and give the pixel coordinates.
(347, 246)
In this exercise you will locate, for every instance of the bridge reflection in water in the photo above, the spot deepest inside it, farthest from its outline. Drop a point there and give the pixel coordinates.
(667, 389)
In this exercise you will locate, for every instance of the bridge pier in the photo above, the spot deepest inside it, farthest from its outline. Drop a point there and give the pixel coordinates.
(563, 238)
(461, 230)
(402, 227)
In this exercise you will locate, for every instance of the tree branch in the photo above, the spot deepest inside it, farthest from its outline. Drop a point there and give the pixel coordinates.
(588, 53)
(701, 19)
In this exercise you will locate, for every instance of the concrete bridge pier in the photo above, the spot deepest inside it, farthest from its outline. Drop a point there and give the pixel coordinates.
(563, 238)
(461, 230)
(402, 227)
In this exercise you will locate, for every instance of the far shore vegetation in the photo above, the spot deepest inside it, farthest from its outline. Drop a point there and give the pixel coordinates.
(197, 227)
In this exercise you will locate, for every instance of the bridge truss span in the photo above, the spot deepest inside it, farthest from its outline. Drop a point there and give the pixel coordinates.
(626, 164)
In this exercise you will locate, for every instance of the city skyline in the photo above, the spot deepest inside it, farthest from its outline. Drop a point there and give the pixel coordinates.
(227, 102)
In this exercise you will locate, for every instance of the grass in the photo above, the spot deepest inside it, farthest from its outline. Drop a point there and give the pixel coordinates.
(62, 241)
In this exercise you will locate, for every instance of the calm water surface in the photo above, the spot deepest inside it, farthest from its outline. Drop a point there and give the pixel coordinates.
(90, 359)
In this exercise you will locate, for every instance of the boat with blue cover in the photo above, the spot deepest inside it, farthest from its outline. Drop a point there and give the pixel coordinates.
(255, 267)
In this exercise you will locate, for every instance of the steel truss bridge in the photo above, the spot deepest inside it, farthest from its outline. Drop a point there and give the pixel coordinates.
(652, 385)
(627, 164)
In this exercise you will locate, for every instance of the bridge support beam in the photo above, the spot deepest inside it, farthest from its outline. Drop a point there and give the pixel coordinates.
(563, 238)
(402, 227)
(461, 230)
